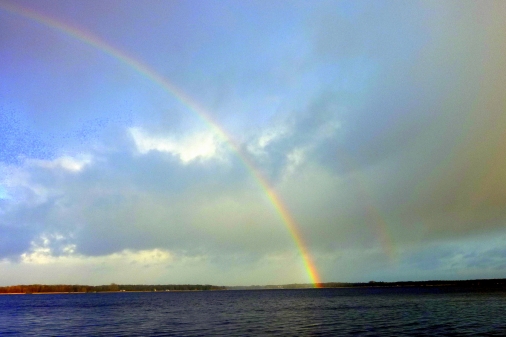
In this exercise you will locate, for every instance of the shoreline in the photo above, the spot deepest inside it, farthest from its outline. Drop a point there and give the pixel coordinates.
(475, 285)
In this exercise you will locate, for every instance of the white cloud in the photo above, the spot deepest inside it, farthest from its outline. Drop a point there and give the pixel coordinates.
(257, 147)
(198, 146)
(42, 252)
(295, 158)
(22, 181)
(150, 266)
(270, 135)
(17, 184)
(68, 163)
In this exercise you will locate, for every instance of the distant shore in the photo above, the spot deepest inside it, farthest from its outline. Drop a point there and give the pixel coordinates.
(474, 284)
(111, 288)
(478, 284)
(93, 292)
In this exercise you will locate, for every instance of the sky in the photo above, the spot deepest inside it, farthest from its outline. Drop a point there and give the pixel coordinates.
(251, 142)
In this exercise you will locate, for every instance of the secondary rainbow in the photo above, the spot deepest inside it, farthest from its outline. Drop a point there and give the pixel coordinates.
(200, 112)
(371, 211)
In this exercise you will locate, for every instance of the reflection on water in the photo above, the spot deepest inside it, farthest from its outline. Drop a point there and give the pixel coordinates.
(309, 312)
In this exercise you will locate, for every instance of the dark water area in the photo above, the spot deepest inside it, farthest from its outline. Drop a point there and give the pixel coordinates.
(305, 312)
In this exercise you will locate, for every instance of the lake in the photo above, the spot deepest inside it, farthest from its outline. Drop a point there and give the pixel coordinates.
(305, 312)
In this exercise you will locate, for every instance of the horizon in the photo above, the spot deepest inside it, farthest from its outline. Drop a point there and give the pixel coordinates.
(252, 143)
(309, 284)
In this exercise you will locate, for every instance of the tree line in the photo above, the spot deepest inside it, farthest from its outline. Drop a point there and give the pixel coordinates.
(67, 288)
(479, 284)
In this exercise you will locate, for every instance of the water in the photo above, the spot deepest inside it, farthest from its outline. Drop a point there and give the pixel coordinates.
(309, 312)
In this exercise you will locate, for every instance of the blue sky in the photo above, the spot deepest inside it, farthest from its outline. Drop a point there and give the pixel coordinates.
(379, 124)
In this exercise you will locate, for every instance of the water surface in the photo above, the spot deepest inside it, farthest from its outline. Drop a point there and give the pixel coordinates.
(307, 312)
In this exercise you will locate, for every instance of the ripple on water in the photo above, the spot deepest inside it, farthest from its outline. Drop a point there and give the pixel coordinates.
(309, 312)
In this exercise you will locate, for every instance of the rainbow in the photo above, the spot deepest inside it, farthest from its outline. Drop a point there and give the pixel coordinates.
(371, 211)
(193, 106)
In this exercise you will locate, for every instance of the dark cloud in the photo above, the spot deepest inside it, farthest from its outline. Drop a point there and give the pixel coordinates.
(421, 157)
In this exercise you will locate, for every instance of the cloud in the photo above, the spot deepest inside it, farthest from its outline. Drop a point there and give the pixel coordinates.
(201, 146)
(385, 143)
(425, 141)
(154, 266)
(71, 164)
(296, 137)
(127, 266)
(42, 251)
(258, 145)
(123, 200)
